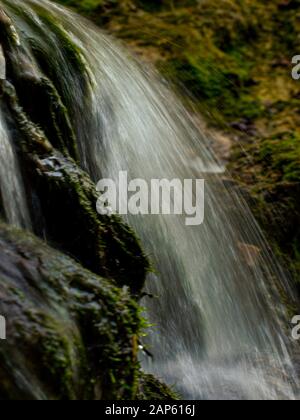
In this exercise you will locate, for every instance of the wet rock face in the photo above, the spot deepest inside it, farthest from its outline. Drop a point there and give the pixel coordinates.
(66, 199)
(70, 333)
(62, 198)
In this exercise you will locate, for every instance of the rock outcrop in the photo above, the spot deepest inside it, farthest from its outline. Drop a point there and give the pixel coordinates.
(72, 312)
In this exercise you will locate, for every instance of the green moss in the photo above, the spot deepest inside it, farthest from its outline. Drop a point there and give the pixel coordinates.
(37, 95)
(55, 350)
(67, 47)
(153, 390)
(89, 6)
(74, 335)
(281, 155)
(44, 94)
(217, 49)
(269, 169)
(209, 48)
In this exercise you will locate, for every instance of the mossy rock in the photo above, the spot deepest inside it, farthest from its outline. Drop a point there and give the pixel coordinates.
(151, 389)
(70, 334)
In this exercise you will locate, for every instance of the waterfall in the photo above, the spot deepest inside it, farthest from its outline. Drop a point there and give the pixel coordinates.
(11, 185)
(219, 331)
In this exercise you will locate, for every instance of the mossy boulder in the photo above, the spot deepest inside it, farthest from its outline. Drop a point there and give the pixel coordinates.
(70, 333)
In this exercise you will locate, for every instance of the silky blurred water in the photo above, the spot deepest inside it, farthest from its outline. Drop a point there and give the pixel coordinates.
(219, 331)
(11, 185)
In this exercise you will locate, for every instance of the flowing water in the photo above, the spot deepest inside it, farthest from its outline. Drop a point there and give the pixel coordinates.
(219, 329)
(11, 186)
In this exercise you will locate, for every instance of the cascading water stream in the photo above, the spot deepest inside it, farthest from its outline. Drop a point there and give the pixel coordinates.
(11, 186)
(219, 327)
